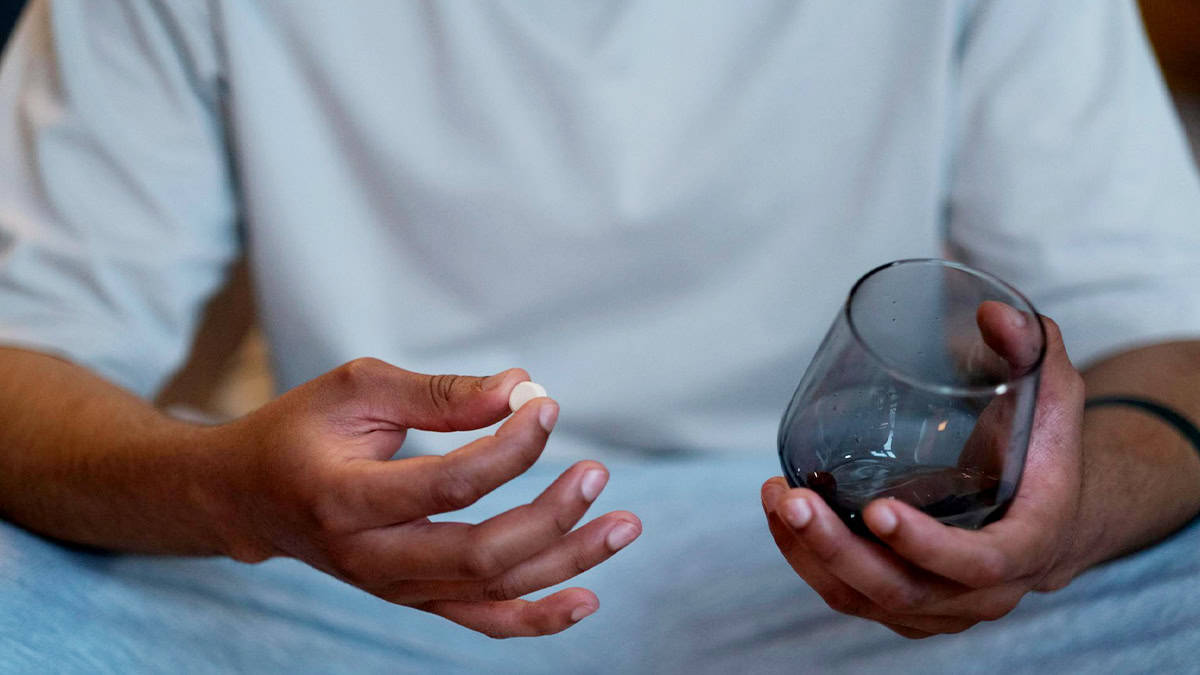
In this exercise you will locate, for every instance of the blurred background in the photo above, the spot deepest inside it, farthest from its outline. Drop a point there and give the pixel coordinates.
(228, 374)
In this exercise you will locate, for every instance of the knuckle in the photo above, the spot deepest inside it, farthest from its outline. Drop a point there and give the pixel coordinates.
(534, 619)
(350, 566)
(1055, 581)
(898, 599)
(330, 505)
(579, 562)
(328, 514)
(843, 601)
(481, 563)
(453, 492)
(249, 552)
(563, 522)
(354, 373)
(826, 553)
(992, 570)
(544, 625)
(501, 589)
(441, 391)
(398, 592)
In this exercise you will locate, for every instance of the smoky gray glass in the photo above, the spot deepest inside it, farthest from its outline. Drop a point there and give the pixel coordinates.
(909, 398)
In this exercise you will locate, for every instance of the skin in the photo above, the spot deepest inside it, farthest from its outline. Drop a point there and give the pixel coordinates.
(309, 476)
(1096, 486)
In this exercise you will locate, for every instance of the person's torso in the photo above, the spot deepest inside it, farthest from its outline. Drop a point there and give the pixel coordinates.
(655, 208)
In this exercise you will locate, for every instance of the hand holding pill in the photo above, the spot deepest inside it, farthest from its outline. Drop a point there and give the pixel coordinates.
(355, 511)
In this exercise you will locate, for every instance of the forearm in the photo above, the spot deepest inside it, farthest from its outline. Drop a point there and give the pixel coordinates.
(1141, 476)
(85, 461)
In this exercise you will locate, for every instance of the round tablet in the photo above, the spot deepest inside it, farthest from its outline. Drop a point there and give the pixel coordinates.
(523, 393)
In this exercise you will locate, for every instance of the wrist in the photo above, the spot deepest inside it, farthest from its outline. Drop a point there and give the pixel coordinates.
(1078, 555)
(1137, 485)
(1078, 543)
(221, 491)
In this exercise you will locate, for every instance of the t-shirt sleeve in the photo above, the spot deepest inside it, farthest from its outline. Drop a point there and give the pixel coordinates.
(1070, 175)
(117, 216)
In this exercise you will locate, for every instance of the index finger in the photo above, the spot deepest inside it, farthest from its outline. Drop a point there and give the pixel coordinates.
(983, 558)
(874, 571)
(396, 491)
(518, 618)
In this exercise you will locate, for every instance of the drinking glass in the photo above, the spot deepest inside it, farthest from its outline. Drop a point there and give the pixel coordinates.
(923, 390)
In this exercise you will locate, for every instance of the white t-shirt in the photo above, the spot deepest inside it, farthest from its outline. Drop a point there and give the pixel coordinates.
(674, 195)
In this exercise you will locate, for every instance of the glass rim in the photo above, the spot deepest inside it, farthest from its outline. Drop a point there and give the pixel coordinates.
(921, 383)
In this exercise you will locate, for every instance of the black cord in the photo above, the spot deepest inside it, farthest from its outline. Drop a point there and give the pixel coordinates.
(1182, 424)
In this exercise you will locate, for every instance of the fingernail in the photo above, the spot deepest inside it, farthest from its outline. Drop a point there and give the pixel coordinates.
(797, 513)
(1016, 317)
(494, 381)
(884, 521)
(620, 536)
(547, 416)
(591, 485)
(580, 612)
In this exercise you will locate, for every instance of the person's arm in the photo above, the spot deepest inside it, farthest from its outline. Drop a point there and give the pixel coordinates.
(85, 461)
(1141, 474)
(309, 476)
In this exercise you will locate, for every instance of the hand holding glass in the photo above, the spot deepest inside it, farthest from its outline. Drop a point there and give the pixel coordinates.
(923, 391)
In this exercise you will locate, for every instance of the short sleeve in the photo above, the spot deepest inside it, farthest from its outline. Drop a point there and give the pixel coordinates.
(117, 216)
(1070, 175)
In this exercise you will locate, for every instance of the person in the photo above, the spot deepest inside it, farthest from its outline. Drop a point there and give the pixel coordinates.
(651, 208)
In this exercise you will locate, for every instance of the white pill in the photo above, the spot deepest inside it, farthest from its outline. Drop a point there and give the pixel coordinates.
(523, 393)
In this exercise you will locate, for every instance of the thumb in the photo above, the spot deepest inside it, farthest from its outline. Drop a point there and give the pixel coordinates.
(429, 402)
(1015, 336)
(1055, 439)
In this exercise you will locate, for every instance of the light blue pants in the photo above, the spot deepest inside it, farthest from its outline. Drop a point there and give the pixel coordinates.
(703, 590)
